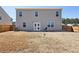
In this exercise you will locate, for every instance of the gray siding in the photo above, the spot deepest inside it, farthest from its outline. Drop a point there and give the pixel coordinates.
(5, 19)
(43, 17)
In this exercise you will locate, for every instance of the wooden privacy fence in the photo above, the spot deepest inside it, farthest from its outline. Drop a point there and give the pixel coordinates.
(67, 28)
(71, 28)
(4, 28)
(75, 28)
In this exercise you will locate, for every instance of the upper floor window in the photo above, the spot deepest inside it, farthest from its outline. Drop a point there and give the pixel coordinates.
(36, 14)
(24, 24)
(20, 14)
(0, 18)
(57, 13)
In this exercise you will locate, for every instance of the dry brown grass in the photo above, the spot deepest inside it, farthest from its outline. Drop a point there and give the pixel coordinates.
(11, 42)
(37, 42)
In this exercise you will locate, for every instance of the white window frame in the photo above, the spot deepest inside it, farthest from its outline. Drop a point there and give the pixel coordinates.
(50, 23)
(34, 14)
(19, 14)
(57, 12)
(35, 27)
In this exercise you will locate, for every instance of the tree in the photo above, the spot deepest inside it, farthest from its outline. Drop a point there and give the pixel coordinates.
(70, 21)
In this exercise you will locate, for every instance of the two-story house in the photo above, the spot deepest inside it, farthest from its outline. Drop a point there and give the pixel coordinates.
(39, 19)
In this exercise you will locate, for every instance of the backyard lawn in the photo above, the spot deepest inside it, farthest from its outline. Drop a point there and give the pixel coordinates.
(45, 42)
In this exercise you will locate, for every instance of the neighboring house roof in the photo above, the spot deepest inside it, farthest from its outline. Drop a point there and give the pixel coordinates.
(39, 8)
(2, 10)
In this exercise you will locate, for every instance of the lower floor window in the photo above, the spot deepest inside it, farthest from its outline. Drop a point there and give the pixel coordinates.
(38, 28)
(0, 18)
(24, 24)
(50, 24)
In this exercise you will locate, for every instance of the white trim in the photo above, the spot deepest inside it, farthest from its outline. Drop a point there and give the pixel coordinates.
(34, 13)
(35, 28)
(49, 23)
